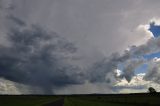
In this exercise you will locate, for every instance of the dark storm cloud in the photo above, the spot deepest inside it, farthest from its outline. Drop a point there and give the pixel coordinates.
(39, 58)
(16, 20)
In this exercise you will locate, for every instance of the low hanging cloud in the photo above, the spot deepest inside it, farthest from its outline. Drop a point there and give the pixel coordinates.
(43, 59)
(39, 58)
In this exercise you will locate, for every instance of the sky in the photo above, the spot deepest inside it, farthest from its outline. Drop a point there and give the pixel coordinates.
(76, 46)
(155, 30)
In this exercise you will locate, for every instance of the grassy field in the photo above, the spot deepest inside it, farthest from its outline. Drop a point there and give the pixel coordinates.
(142, 99)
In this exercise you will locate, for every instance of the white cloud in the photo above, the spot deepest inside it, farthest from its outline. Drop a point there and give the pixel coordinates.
(118, 72)
(155, 59)
(144, 30)
(155, 20)
(8, 87)
(136, 85)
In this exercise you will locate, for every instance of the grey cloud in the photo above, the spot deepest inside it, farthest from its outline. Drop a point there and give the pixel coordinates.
(100, 69)
(131, 59)
(97, 27)
(153, 73)
(92, 24)
(39, 58)
(130, 66)
(16, 20)
(139, 87)
(151, 46)
(6, 4)
(137, 52)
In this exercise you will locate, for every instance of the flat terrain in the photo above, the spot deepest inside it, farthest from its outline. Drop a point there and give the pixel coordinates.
(139, 99)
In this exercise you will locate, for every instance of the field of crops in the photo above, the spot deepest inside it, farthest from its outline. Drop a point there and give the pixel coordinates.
(81, 100)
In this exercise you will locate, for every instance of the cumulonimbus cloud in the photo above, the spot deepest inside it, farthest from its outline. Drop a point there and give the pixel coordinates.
(41, 58)
(36, 57)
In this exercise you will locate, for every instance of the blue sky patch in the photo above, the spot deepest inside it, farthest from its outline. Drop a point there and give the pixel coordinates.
(141, 69)
(151, 56)
(155, 29)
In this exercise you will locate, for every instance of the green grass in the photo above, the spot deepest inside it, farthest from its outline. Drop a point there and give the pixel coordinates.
(84, 100)
(79, 102)
(26, 100)
(129, 100)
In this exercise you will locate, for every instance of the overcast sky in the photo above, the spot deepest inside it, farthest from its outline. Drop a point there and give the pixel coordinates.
(94, 39)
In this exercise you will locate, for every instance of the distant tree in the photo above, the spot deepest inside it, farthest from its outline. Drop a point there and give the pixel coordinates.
(151, 90)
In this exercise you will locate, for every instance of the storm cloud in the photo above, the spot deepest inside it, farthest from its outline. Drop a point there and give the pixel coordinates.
(57, 43)
(39, 58)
